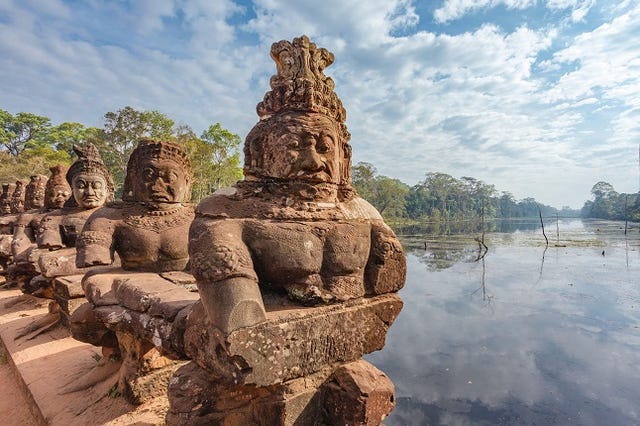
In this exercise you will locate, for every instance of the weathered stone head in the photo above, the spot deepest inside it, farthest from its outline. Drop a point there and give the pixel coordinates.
(301, 135)
(90, 180)
(35, 192)
(57, 190)
(5, 198)
(158, 173)
(17, 200)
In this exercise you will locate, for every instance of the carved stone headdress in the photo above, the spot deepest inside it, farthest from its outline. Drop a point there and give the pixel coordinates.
(56, 179)
(300, 86)
(17, 200)
(149, 149)
(89, 161)
(35, 190)
(5, 198)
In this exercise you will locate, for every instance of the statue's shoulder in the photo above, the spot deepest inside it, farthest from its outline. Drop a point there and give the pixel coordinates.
(113, 210)
(359, 208)
(223, 204)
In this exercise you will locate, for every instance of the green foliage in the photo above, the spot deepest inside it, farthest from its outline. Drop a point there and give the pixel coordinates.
(223, 154)
(440, 197)
(609, 204)
(113, 391)
(17, 132)
(122, 131)
(29, 144)
(65, 135)
(384, 193)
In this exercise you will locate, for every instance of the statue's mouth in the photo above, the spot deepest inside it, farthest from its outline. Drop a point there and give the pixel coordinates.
(317, 176)
(160, 197)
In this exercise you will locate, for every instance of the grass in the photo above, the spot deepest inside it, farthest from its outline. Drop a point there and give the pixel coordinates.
(113, 391)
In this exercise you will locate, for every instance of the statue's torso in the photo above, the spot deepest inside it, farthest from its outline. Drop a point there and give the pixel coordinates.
(288, 253)
(153, 243)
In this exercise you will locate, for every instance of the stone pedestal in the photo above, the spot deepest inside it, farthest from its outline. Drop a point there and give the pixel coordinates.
(354, 393)
(140, 316)
(295, 341)
(302, 366)
(69, 295)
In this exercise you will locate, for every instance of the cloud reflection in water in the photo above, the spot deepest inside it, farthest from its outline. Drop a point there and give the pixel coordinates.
(557, 347)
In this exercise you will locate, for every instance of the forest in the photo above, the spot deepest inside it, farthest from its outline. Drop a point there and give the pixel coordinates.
(30, 144)
(441, 197)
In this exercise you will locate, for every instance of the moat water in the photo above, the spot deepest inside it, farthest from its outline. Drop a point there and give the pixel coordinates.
(527, 334)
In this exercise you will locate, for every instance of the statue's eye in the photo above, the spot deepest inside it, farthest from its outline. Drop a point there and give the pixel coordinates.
(148, 174)
(325, 145)
(171, 177)
(97, 185)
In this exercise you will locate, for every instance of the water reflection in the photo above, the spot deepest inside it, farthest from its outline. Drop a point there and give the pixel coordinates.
(525, 335)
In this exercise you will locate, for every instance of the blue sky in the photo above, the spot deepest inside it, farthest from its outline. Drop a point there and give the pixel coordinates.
(538, 97)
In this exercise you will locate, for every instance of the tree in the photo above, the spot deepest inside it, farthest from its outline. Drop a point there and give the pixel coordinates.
(122, 131)
(363, 177)
(390, 196)
(65, 135)
(19, 131)
(604, 203)
(215, 158)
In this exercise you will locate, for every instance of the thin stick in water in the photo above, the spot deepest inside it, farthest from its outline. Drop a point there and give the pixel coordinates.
(542, 223)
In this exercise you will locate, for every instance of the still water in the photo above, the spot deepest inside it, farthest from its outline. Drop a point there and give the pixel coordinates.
(527, 334)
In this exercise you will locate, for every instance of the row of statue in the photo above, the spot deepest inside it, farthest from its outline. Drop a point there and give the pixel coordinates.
(258, 303)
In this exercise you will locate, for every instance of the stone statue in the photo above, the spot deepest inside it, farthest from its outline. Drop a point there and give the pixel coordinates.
(5, 198)
(12, 206)
(295, 224)
(18, 198)
(149, 229)
(297, 273)
(42, 196)
(91, 185)
(6, 225)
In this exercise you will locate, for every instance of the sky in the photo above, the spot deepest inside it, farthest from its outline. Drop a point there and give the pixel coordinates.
(540, 98)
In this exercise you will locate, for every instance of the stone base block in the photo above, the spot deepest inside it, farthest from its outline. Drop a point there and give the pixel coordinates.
(322, 398)
(294, 341)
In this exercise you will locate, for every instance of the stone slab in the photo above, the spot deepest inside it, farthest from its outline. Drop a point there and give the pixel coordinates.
(68, 287)
(46, 364)
(293, 342)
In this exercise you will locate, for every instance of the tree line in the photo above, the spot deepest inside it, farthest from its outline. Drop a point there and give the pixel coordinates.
(30, 144)
(441, 197)
(609, 204)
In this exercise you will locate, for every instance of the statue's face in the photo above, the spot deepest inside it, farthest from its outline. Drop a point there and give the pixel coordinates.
(57, 196)
(160, 181)
(89, 190)
(305, 147)
(5, 206)
(34, 193)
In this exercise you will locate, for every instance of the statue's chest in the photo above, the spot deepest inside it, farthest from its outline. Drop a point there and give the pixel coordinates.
(314, 247)
(145, 242)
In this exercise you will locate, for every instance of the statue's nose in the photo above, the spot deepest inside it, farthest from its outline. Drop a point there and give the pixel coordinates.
(311, 160)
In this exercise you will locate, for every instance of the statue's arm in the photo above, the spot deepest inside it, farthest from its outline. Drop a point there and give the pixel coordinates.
(386, 268)
(23, 237)
(227, 281)
(95, 245)
(48, 235)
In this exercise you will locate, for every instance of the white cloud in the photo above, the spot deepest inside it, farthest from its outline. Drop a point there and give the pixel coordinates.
(456, 9)
(468, 104)
(579, 8)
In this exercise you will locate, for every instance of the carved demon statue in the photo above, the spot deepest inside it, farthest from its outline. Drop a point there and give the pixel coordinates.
(295, 224)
